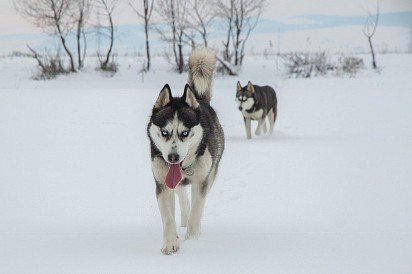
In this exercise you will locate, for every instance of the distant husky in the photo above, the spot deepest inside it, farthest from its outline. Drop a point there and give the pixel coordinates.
(187, 142)
(257, 103)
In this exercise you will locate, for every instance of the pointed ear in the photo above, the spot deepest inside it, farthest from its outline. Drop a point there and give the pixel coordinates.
(239, 86)
(250, 87)
(164, 98)
(190, 98)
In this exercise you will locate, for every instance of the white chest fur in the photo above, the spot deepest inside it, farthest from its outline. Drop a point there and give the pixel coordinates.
(257, 115)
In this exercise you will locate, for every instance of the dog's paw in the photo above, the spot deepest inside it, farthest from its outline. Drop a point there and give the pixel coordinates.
(169, 250)
(170, 246)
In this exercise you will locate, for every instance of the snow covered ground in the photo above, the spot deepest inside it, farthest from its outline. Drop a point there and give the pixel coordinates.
(329, 192)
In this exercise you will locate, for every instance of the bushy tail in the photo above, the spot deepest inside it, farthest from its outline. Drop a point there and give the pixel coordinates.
(201, 68)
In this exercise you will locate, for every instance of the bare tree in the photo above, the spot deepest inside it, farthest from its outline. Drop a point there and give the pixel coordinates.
(107, 7)
(53, 16)
(369, 30)
(173, 14)
(144, 12)
(225, 10)
(241, 17)
(202, 18)
(80, 15)
(182, 28)
(246, 17)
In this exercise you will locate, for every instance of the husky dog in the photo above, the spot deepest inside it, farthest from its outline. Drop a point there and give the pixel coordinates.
(257, 103)
(187, 142)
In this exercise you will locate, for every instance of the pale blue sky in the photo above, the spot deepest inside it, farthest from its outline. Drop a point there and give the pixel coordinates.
(285, 11)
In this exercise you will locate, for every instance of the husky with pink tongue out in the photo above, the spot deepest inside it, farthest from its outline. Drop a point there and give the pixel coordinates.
(187, 143)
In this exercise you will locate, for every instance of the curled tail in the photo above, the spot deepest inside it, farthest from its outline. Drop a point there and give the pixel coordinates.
(201, 68)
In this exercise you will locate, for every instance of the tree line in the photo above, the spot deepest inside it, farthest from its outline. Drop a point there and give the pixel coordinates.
(181, 24)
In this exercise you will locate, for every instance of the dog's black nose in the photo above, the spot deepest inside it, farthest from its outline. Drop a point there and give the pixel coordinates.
(173, 158)
(240, 108)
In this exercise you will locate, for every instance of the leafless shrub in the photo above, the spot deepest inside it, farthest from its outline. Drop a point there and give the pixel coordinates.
(350, 65)
(50, 66)
(306, 64)
(110, 67)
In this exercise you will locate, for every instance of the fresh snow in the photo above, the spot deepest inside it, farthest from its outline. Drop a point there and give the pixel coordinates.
(329, 192)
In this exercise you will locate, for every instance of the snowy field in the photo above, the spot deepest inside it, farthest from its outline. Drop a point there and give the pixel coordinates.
(329, 192)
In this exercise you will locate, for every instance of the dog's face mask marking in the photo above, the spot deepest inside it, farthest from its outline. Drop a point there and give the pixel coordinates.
(245, 97)
(175, 128)
(175, 137)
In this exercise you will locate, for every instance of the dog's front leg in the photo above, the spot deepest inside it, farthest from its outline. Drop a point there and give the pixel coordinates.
(166, 201)
(265, 129)
(248, 129)
(184, 205)
(261, 122)
(199, 191)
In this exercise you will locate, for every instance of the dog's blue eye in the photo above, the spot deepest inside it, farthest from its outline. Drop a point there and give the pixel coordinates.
(165, 133)
(185, 133)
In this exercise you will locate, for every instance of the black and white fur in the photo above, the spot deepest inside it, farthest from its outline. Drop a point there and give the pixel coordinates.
(188, 128)
(257, 103)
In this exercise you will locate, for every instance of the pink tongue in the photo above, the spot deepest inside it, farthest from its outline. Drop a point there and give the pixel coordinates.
(174, 176)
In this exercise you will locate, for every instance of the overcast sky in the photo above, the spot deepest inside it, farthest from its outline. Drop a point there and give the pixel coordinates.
(280, 10)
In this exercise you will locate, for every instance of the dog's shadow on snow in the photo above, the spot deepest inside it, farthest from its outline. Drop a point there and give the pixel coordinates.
(277, 136)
